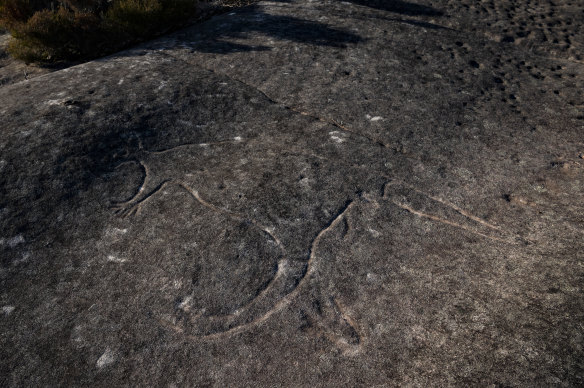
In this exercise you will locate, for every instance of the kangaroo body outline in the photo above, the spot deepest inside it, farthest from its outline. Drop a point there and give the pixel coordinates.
(296, 266)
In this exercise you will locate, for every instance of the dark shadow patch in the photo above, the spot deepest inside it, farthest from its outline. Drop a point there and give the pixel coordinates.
(398, 6)
(223, 47)
(252, 20)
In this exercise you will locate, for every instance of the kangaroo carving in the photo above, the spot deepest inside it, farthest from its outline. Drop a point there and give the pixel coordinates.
(288, 191)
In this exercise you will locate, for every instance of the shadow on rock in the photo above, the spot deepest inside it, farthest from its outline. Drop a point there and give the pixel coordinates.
(401, 7)
(254, 21)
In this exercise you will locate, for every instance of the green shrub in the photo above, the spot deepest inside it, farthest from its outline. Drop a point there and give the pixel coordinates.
(50, 31)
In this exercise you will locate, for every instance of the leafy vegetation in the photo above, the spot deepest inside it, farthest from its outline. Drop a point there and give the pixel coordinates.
(55, 30)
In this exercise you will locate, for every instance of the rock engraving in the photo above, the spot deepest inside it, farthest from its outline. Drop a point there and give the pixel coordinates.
(312, 193)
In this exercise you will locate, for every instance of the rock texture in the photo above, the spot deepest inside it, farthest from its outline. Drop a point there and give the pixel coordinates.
(361, 193)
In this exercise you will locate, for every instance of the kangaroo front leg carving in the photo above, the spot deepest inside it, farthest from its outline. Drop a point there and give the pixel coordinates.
(147, 189)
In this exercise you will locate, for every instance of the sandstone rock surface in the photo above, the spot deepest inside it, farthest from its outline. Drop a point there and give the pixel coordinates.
(302, 193)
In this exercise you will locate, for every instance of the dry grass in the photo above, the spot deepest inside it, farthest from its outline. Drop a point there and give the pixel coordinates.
(44, 31)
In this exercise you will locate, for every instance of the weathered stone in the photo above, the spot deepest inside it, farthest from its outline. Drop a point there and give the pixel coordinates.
(300, 194)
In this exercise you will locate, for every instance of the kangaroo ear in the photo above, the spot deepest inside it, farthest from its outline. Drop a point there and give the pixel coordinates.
(326, 316)
(342, 329)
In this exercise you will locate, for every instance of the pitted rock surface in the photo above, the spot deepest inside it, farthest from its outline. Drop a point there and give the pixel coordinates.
(302, 193)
